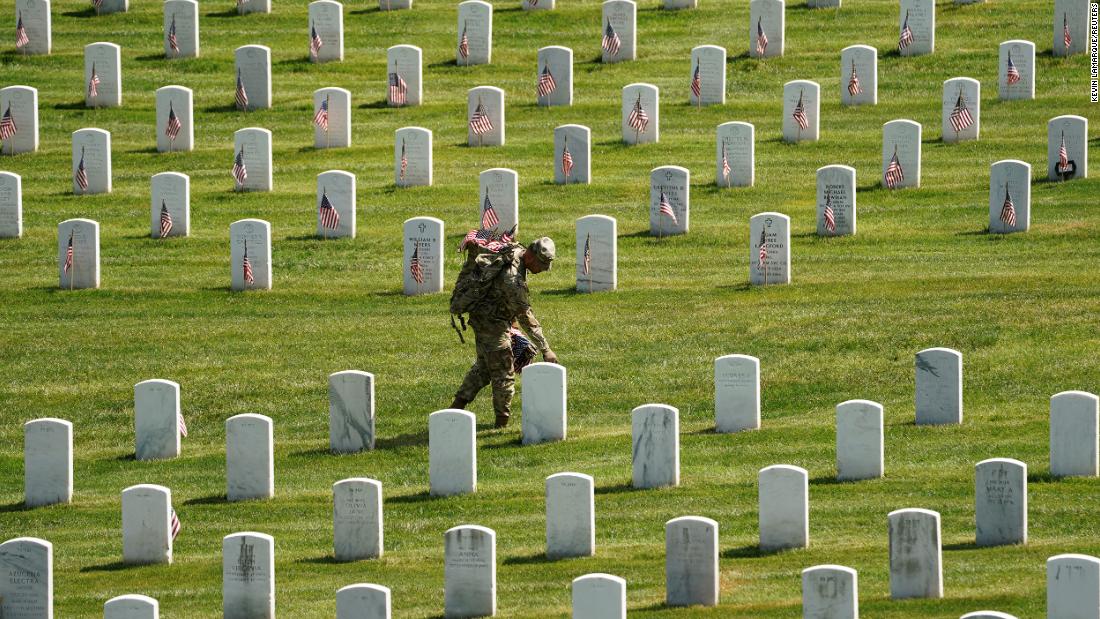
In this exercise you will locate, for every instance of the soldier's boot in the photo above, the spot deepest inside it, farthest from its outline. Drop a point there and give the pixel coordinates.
(459, 403)
(502, 405)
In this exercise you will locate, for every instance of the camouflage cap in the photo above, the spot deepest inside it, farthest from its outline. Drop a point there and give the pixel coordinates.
(545, 250)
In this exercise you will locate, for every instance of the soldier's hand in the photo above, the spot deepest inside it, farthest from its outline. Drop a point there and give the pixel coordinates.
(549, 356)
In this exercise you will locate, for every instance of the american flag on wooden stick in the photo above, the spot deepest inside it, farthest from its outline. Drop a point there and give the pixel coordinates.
(761, 38)
(464, 43)
(321, 117)
(165, 225)
(489, 217)
(960, 116)
(906, 37)
(638, 120)
(175, 525)
(799, 114)
(21, 38)
(68, 264)
(241, 96)
(611, 42)
(173, 126)
(330, 218)
(566, 159)
(664, 207)
(81, 173)
(1063, 155)
(181, 424)
(404, 161)
(586, 263)
(414, 266)
(315, 42)
(1008, 210)
(246, 267)
(546, 84)
(763, 254)
(173, 43)
(725, 164)
(480, 123)
(830, 215)
(399, 89)
(1067, 40)
(98, 4)
(1012, 75)
(8, 128)
(697, 83)
(93, 84)
(854, 87)
(894, 175)
(240, 172)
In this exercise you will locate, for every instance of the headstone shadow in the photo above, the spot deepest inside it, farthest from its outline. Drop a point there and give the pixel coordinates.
(410, 439)
(533, 559)
(213, 499)
(750, 551)
(113, 566)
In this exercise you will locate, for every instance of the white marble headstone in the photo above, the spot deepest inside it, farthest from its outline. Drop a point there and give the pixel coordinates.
(784, 500)
(691, 561)
(47, 462)
(655, 429)
(248, 576)
(836, 191)
(363, 601)
(544, 403)
(176, 100)
(570, 516)
(470, 571)
(11, 205)
(84, 270)
(1009, 181)
(131, 606)
(253, 6)
(490, 101)
(22, 101)
(736, 393)
(405, 65)
(619, 19)
(351, 411)
(902, 138)
(93, 147)
(146, 525)
(599, 596)
(916, 556)
(987, 614)
(577, 139)
(256, 143)
(249, 457)
(774, 230)
(1000, 502)
(253, 66)
(809, 95)
(769, 17)
(26, 591)
(171, 191)
(1074, 442)
(423, 240)
(182, 18)
(863, 59)
(599, 233)
(105, 60)
(452, 452)
(1074, 16)
(156, 419)
(251, 238)
(1021, 54)
(37, 21)
(498, 188)
(830, 592)
(326, 18)
(641, 117)
(859, 440)
(673, 183)
(556, 62)
(961, 93)
(710, 63)
(338, 133)
(339, 187)
(413, 145)
(357, 519)
(1073, 587)
(475, 24)
(939, 380)
(736, 143)
(1074, 130)
(921, 18)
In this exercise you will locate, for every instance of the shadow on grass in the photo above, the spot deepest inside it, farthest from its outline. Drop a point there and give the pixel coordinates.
(446, 63)
(317, 451)
(1044, 477)
(83, 13)
(618, 488)
(18, 506)
(740, 287)
(229, 107)
(569, 291)
(322, 560)
(152, 57)
(752, 551)
(419, 439)
(213, 499)
(963, 546)
(113, 566)
(145, 151)
(507, 442)
(420, 497)
(832, 480)
(983, 232)
(381, 104)
(75, 105)
(226, 13)
(219, 289)
(536, 559)
(130, 457)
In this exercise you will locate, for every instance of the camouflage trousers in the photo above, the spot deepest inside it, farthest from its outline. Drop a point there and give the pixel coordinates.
(493, 365)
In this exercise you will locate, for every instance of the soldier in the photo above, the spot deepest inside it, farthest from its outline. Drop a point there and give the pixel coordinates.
(504, 302)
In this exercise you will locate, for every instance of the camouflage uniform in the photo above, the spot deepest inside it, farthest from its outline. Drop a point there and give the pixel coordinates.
(506, 302)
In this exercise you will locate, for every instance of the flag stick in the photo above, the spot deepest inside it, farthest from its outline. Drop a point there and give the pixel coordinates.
(764, 268)
(635, 136)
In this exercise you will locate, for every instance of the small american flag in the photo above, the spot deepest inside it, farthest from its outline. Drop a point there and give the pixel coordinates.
(854, 87)
(173, 43)
(414, 266)
(165, 225)
(21, 38)
(799, 114)
(697, 83)
(399, 90)
(1008, 210)
(1067, 40)
(665, 208)
(404, 161)
(241, 96)
(586, 264)
(906, 38)
(81, 172)
(240, 172)
(314, 41)
(725, 165)
(329, 217)
(98, 4)
(830, 216)
(763, 247)
(93, 84)
(638, 120)
(172, 128)
(175, 525)
(181, 424)
(761, 38)
(464, 44)
(489, 217)
(566, 159)
(1013, 74)
(611, 41)
(1063, 155)
(246, 267)
(480, 123)
(68, 265)
(321, 117)
(960, 116)
(7, 125)
(546, 85)
(894, 175)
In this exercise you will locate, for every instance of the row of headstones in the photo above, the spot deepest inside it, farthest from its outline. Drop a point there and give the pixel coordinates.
(470, 577)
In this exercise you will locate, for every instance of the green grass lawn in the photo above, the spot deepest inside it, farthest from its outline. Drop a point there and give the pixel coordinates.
(921, 272)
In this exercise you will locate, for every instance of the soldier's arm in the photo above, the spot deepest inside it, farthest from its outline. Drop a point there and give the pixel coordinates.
(533, 329)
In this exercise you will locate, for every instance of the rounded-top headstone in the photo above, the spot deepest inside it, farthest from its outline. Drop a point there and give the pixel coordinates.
(772, 231)
(170, 192)
(1016, 72)
(1009, 196)
(655, 429)
(357, 519)
(104, 60)
(708, 63)
(859, 75)
(599, 596)
(37, 21)
(255, 142)
(619, 23)
(26, 591)
(92, 150)
(766, 21)
(250, 245)
(404, 64)
(412, 157)
(156, 419)
(48, 461)
(146, 524)
(641, 114)
(181, 18)
(577, 141)
(1072, 132)
(1073, 586)
(489, 102)
(338, 187)
(22, 101)
(248, 576)
(916, 561)
(920, 17)
(363, 601)
(556, 62)
(452, 452)
(987, 614)
(470, 572)
(961, 109)
(11, 205)
(691, 561)
(1070, 16)
(830, 592)
(175, 101)
(1074, 435)
(736, 148)
(939, 378)
(859, 440)
(570, 515)
(669, 190)
(544, 403)
(326, 18)
(250, 466)
(736, 393)
(836, 200)
(475, 25)
(423, 264)
(784, 500)
(82, 271)
(1000, 498)
(801, 111)
(253, 64)
(901, 153)
(131, 606)
(338, 131)
(597, 253)
(351, 411)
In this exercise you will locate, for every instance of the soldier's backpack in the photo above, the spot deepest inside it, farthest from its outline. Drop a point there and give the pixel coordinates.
(484, 262)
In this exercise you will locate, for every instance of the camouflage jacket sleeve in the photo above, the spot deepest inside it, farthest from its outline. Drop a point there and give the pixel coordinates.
(518, 303)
